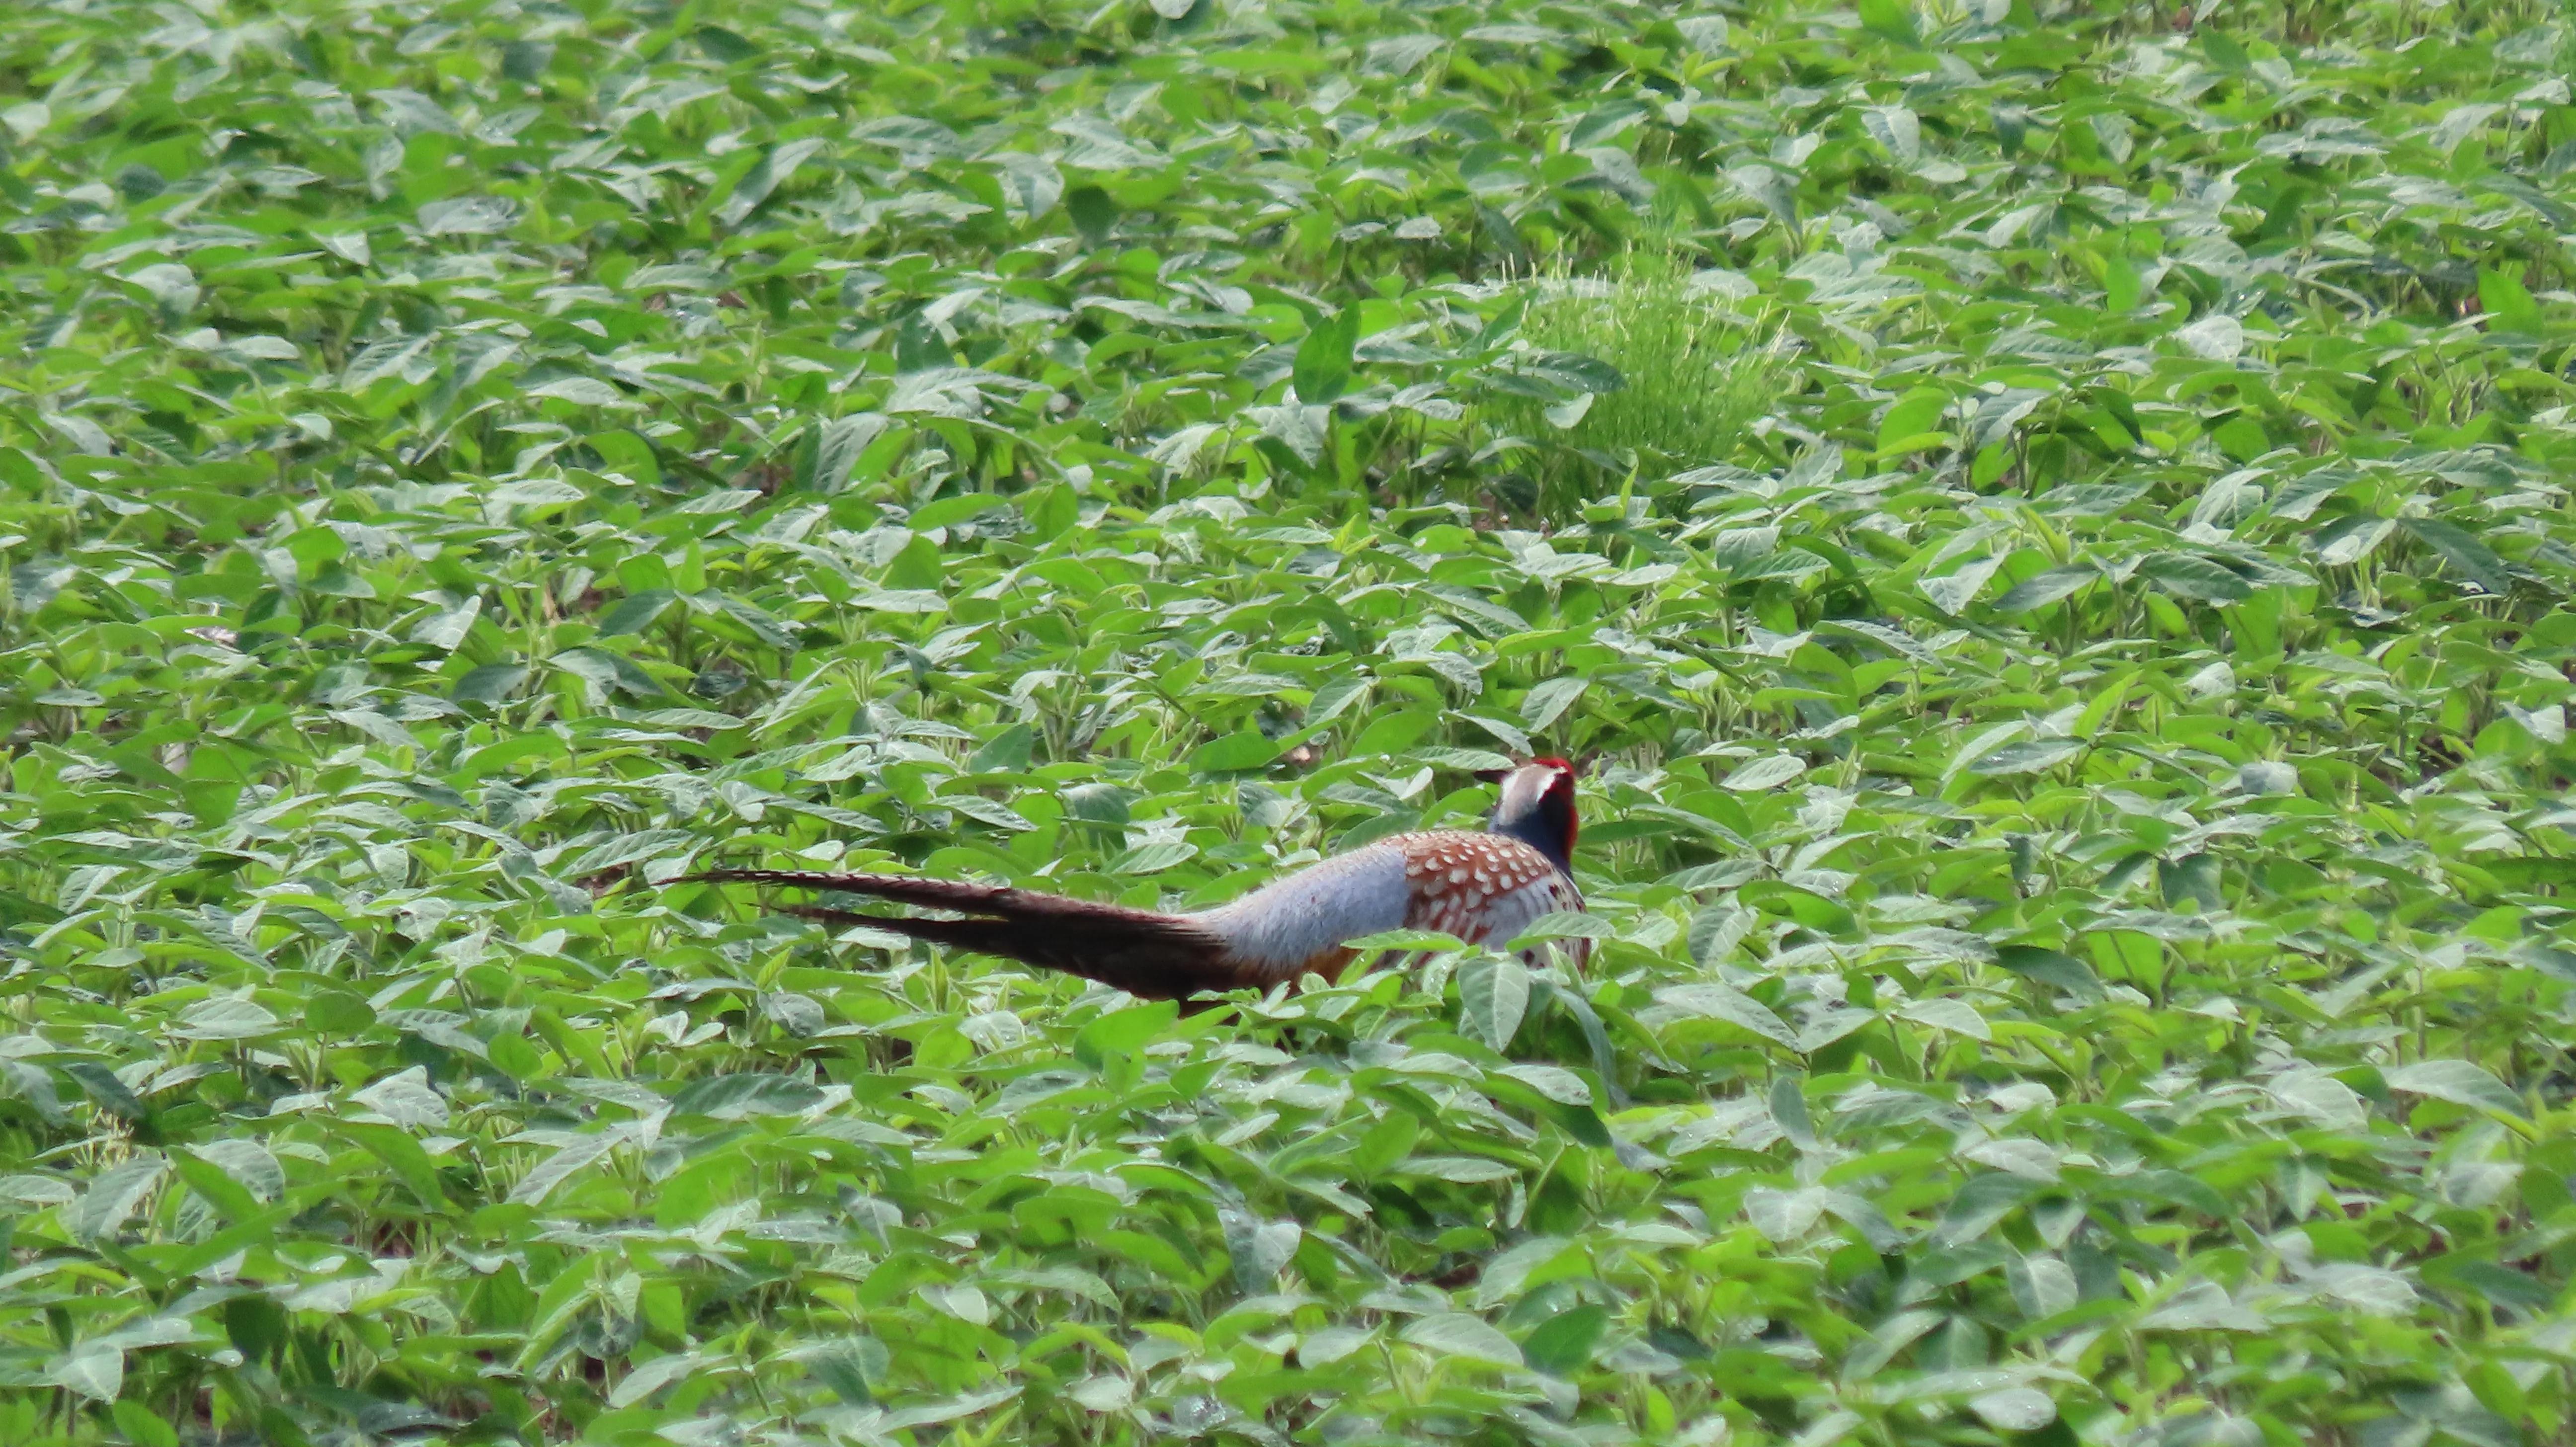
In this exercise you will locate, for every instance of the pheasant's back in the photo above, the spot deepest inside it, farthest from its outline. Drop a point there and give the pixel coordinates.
(1297, 924)
(1482, 888)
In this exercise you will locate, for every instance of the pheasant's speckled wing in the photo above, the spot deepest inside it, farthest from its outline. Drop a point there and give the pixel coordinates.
(1483, 888)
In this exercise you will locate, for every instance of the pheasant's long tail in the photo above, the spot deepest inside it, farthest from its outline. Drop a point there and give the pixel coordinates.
(1155, 956)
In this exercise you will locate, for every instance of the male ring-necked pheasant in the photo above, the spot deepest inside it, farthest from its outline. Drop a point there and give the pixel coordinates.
(1481, 888)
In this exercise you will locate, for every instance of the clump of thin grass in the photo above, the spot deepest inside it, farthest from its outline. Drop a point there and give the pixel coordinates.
(1696, 374)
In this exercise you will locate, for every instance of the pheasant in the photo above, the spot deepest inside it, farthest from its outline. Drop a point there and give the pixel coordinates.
(1480, 887)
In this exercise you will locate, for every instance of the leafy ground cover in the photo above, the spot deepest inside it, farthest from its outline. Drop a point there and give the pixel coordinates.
(2078, 680)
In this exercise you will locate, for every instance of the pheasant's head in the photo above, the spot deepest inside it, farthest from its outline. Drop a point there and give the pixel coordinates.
(1537, 808)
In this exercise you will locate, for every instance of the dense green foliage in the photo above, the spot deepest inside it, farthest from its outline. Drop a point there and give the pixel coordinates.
(2077, 679)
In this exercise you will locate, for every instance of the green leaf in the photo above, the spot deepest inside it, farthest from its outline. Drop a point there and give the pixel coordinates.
(1456, 1334)
(1493, 995)
(1564, 924)
(468, 216)
(1234, 753)
(1911, 420)
(405, 1098)
(1548, 702)
(224, 1018)
(1154, 858)
(217, 1189)
(1123, 1033)
(2046, 588)
(1323, 365)
(2050, 967)
(1712, 1000)
(761, 180)
(2460, 1082)
(112, 1196)
(1259, 1248)
(2028, 756)
(1893, 19)
(92, 1369)
(1981, 1205)
(1005, 752)
(492, 683)
(2503, 297)
(738, 1097)
(449, 627)
(1554, 1082)
(1764, 774)
(1563, 1344)
(1391, 733)
(605, 671)
(2467, 556)
(2189, 575)
(632, 849)
(1576, 372)
(563, 1165)
(636, 612)
(338, 1013)
(101, 1085)
(142, 1426)
(986, 811)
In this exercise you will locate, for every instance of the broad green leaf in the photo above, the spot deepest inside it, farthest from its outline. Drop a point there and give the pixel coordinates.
(554, 1170)
(2461, 1082)
(1711, 1000)
(1911, 419)
(2027, 756)
(112, 1196)
(1980, 1205)
(1557, 1084)
(406, 1099)
(1758, 775)
(226, 1019)
(2192, 576)
(142, 1426)
(1323, 370)
(2014, 1409)
(467, 216)
(636, 611)
(2467, 556)
(765, 178)
(735, 1097)
(1564, 1343)
(1153, 858)
(92, 1369)
(2045, 588)
(1248, 749)
(1456, 1334)
(1493, 995)
(1548, 701)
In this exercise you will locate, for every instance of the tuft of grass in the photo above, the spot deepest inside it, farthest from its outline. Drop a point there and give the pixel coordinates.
(1695, 375)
